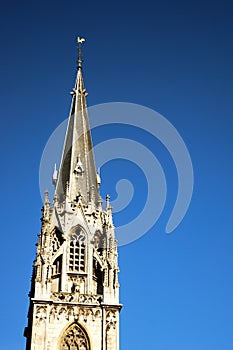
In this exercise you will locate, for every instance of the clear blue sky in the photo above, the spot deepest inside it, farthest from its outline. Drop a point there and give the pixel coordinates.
(174, 57)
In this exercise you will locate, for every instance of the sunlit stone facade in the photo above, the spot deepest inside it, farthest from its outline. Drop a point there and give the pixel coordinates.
(74, 297)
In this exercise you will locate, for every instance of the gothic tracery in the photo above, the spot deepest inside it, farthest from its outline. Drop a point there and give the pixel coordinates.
(77, 251)
(75, 339)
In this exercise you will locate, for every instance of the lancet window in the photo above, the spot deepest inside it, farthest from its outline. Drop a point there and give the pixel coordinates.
(77, 251)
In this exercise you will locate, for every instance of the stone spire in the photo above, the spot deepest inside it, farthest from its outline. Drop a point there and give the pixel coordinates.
(77, 164)
(74, 296)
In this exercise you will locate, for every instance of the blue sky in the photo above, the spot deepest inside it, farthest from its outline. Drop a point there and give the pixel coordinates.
(176, 58)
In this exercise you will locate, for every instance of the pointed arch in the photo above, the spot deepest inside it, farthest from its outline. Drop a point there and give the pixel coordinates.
(74, 337)
(77, 249)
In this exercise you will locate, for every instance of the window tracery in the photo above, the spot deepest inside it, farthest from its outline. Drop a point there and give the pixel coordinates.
(77, 251)
(75, 339)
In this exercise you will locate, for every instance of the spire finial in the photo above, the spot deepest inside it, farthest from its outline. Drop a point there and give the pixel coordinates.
(80, 41)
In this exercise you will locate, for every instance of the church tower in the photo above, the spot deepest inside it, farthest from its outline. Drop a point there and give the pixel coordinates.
(74, 297)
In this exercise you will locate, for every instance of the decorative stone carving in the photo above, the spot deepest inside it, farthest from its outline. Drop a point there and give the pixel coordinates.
(75, 297)
(77, 284)
(97, 313)
(56, 241)
(55, 244)
(111, 319)
(75, 339)
(110, 338)
(70, 312)
(41, 313)
(61, 296)
(53, 314)
(63, 314)
(89, 299)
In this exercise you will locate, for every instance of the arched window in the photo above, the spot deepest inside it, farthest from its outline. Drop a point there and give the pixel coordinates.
(77, 251)
(75, 339)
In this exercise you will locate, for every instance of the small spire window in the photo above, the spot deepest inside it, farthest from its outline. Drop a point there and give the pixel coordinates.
(79, 167)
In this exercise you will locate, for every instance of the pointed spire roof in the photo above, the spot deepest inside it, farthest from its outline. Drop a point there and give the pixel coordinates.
(77, 164)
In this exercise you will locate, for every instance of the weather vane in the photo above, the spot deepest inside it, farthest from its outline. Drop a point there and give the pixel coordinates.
(80, 41)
